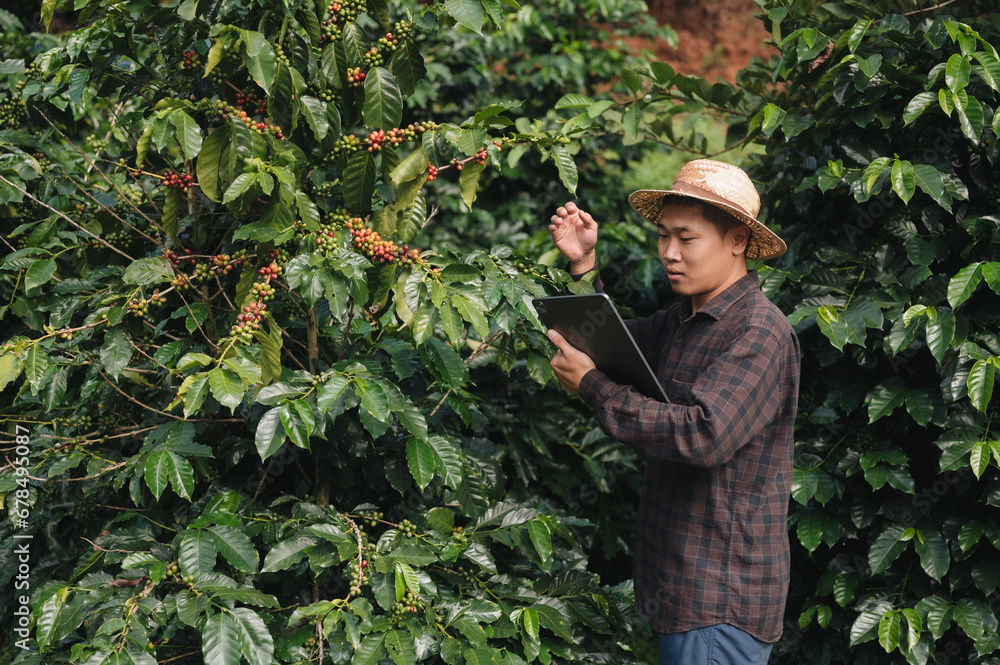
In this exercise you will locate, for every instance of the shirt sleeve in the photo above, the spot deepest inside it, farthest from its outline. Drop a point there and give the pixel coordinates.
(732, 402)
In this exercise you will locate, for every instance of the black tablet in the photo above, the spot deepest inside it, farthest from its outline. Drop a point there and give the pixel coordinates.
(591, 323)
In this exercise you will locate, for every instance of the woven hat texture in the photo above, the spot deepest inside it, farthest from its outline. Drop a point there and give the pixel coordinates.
(722, 185)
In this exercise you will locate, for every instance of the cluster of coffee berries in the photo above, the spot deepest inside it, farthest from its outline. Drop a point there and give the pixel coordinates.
(372, 518)
(375, 140)
(322, 93)
(173, 180)
(262, 291)
(341, 13)
(359, 576)
(12, 112)
(131, 197)
(339, 219)
(83, 422)
(248, 320)
(280, 55)
(66, 334)
(174, 571)
(355, 77)
(370, 243)
(224, 112)
(250, 101)
(395, 136)
(140, 307)
(270, 272)
(373, 58)
(410, 604)
(96, 144)
(223, 264)
(432, 173)
(480, 157)
(407, 528)
(191, 59)
(176, 260)
(326, 240)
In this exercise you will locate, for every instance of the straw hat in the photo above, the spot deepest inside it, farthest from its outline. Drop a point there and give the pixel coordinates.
(722, 185)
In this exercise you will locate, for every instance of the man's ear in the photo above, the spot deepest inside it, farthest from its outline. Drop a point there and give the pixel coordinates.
(740, 237)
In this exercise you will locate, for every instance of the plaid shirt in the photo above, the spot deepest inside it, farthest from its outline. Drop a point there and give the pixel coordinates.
(711, 544)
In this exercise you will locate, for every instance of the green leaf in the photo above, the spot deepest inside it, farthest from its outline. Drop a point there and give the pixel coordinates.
(235, 547)
(152, 270)
(197, 553)
(39, 273)
(918, 105)
(420, 459)
(448, 460)
(866, 623)
(401, 646)
(934, 555)
(383, 107)
(48, 617)
(468, 13)
(541, 538)
(552, 614)
(156, 472)
(902, 179)
(980, 383)
(287, 553)
(209, 161)
(990, 71)
(188, 134)
(979, 458)
(258, 56)
(270, 434)
(35, 364)
(884, 399)
(968, 617)
(407, 67)
(888, 630)
(373, 399)
(857, 33)
(529, 619)
(370, 651)
(446, 361)
(886, 549)
(255, 639)
(171, 209)
(10, 368)
(468, 182)
(298, 421)
(359, 182)
(181, 475)
(810, 531)
(315, 113)
(956, 73)
(220, 640)
(567, 168)
(226, 387)
(931, 182)
(116, 352)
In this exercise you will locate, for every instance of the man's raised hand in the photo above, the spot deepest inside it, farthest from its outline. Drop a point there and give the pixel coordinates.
(574, 232)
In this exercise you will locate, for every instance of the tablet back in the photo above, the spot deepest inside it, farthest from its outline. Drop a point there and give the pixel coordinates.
(591, 323)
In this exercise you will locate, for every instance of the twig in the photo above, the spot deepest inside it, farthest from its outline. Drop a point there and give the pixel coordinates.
(929, 9)
(46, 205)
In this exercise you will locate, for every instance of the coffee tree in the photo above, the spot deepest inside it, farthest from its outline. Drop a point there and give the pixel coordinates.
(881, 169)
(254, 418)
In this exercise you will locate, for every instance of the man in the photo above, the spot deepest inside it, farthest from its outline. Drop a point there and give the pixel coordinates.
(711, 547)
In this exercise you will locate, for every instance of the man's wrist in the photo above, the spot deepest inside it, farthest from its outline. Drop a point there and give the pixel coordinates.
(583, 265)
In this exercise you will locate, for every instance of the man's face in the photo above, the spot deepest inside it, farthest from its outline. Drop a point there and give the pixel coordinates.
(700, 262)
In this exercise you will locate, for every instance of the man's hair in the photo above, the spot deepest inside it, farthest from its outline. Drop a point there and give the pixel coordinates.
(719, 218)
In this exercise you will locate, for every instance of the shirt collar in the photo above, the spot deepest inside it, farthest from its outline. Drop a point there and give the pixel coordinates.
(720, 304)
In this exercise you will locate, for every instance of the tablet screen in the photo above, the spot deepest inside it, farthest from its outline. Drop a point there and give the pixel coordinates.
(591, 323)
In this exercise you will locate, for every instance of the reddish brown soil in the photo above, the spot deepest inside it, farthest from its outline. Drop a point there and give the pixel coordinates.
(716, 38)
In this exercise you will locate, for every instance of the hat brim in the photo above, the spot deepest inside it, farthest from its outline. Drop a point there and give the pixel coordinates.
(764, 244)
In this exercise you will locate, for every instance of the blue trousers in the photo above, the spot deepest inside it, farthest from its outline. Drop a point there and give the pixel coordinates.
(721, 644)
